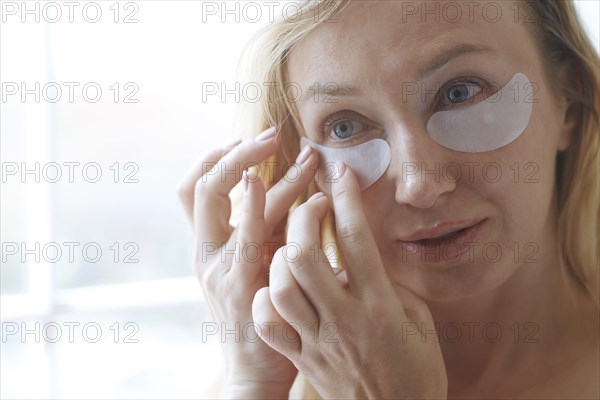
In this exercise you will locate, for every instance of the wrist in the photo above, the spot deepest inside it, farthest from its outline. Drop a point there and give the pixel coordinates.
(254, 390)
(245, 388)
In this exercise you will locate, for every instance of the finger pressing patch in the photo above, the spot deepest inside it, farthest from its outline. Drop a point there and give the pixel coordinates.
(368, 160)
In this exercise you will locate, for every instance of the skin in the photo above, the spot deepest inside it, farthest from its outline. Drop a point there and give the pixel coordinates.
(552, 352)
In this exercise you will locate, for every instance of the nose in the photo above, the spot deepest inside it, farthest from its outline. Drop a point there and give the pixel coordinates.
(420, 168)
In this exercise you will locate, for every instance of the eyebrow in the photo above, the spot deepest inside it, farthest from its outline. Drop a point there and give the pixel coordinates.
(454, 52)
(329, 89)
(332, 89)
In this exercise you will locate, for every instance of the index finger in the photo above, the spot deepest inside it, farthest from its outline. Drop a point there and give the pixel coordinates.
(212, 206)
(185, 189)
(358, 247)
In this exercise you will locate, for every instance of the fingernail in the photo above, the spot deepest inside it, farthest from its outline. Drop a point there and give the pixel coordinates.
(341, 168)
(303, 156)
(316, 196)
(245, 180)
(266, 135)
(249, 175)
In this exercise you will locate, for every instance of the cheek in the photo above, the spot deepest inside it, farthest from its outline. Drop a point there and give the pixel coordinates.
(373, 205)
(377, 206)
(519, 180)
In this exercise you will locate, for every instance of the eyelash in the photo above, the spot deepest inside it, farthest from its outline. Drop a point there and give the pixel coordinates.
(342, 116)
(462, 79)
(332, 121)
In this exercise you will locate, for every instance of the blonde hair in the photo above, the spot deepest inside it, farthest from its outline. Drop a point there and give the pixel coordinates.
(560, 37)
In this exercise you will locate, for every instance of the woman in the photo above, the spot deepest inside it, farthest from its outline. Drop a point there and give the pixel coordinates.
(453, 279)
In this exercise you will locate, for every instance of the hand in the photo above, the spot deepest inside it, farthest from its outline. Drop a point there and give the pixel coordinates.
(230, 281)
(356, 340)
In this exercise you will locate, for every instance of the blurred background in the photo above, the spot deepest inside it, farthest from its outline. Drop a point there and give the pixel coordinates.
(104, 107)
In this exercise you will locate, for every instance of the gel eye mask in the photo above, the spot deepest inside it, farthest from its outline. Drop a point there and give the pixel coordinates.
(488, 125)
(485, 126)
(368, 161)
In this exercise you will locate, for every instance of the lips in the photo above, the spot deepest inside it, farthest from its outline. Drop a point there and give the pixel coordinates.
(440, 230)
(445, 242)
(444, 237)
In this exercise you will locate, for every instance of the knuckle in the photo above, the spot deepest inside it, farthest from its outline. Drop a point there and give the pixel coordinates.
(303, 257)
(240, 152)
(253, 216)
(243, 149)
(297, 256)
(276, 192)
(277, 256)
(209, 280)
(301, 264)
(377, 311)
(301, 213)
(350, 233)
(341, 195)
(182, 189)
(281, 294)
(200, 188)
(313, 360)
(205, 250)
(413, 305)
(261, 294)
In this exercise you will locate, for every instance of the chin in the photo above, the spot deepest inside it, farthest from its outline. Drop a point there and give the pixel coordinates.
(452, 282)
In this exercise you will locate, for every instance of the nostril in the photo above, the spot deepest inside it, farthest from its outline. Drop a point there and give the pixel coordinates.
(420, 184)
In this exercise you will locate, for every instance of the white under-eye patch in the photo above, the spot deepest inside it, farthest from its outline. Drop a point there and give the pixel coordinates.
(488, 125)
(368, 161)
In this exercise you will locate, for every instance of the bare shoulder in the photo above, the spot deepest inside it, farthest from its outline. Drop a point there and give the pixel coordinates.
(584, 371)
(584, 379)
(581, 375)
(573, 381)
(573, 363)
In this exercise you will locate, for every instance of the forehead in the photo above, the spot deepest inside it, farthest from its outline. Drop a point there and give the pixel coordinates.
(403, 35)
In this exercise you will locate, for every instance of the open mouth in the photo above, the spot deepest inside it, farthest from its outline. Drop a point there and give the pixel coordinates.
(447, 238)
(448, 247)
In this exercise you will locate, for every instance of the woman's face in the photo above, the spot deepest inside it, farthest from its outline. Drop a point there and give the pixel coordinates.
(374, 55)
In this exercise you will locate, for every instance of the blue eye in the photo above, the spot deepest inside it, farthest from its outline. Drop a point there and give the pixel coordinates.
(344, 129)
(461, 92)
(343, 126)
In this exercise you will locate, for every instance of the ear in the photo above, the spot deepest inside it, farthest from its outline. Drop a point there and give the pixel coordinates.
(569, 116)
